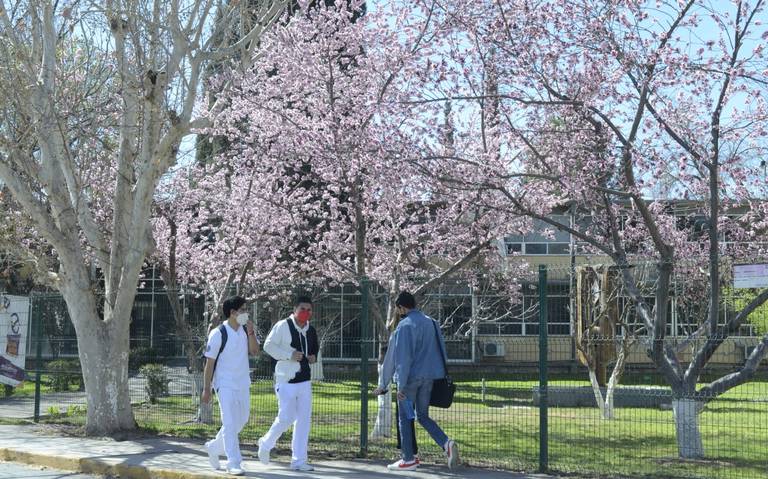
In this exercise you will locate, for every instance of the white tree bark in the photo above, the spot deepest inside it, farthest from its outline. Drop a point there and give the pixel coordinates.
(383, 426)
(597, 392)
(686, 414)
(204, 410)
(104, 361)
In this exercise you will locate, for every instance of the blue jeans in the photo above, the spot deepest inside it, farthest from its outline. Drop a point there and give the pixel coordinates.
(418, 391)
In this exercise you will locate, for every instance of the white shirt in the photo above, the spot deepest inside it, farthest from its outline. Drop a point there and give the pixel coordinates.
(232, 369)
(278, 345)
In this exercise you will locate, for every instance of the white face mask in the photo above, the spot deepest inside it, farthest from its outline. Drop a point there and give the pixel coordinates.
(242, 318)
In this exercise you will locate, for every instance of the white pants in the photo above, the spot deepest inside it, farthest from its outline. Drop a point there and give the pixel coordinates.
(294, 402)
(234, 405)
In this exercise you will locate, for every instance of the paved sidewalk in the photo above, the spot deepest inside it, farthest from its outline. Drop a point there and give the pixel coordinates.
(168, 458)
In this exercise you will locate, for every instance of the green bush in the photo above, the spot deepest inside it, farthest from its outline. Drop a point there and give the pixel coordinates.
(157, 381)
(76, 410)
(65, 372)
(141, 355)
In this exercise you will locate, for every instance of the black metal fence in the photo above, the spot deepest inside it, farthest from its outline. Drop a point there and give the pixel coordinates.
(524, 400)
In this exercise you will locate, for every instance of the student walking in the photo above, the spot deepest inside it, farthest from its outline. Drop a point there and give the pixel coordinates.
(293, 343)
(227, 369)
(418, 347)
(385, 378)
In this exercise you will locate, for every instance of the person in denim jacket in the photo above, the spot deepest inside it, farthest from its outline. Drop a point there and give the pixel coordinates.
(417, 348)
(385, 378)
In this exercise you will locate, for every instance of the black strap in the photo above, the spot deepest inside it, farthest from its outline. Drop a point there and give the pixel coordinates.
(224, 334)
(440, 345)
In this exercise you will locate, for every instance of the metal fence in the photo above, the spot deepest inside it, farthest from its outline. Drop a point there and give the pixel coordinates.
(524, 402)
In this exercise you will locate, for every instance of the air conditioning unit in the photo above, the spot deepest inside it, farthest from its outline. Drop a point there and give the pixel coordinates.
(493, 349)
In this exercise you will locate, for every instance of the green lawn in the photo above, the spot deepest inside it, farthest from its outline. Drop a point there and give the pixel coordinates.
(503, 430)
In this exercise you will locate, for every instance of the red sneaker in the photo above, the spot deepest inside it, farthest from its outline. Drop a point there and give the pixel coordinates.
(401, 465)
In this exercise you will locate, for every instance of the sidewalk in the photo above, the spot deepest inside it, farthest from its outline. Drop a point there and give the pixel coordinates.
(169, 458)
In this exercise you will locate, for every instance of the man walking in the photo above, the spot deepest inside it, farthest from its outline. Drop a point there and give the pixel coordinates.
(227, 368)
(418, 347)
(293, 343)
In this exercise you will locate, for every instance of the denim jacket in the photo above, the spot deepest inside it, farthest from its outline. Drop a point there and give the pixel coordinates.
(418, 345)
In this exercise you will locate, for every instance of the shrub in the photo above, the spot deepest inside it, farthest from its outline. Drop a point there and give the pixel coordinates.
(141, 355)
(157, 381)
(65, 372)
(76, 410)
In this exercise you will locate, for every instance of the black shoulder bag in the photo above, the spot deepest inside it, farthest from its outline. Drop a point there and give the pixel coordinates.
(442, 389)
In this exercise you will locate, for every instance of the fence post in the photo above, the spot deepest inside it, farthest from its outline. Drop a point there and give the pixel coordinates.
(543, 393)
(364, 340)
(38, 328)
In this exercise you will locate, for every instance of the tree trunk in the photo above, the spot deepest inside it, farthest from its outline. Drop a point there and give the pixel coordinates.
(613, 382)
(598, 392)
(204, 411)
(103, 350)
(686, 414)
(383, 425)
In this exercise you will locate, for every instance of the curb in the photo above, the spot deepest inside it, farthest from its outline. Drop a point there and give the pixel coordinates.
(94, 466)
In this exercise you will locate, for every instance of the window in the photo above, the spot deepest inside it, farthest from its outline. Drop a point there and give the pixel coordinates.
(543, 240)
(501, 318)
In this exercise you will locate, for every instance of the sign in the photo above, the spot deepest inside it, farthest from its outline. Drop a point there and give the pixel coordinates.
(750, 276)
(14, 322)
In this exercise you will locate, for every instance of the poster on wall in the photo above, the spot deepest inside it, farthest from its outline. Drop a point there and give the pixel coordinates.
(14, 322)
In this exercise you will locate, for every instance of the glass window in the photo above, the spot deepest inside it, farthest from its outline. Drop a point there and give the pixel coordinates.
(559, 248)
(535, 248)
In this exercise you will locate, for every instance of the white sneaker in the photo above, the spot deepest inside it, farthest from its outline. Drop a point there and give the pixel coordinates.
(263, 454)
(235, 471)
(213, 459)
(401, 465)
(452, 452)
(303, 467)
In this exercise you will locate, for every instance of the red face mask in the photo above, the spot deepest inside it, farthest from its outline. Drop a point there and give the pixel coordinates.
(303, 316)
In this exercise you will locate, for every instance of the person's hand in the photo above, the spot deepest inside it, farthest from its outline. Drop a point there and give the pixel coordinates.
(400, 396)
(312, 358)
(297, 356)
(206, 397)
(250, 328)
(378, 391)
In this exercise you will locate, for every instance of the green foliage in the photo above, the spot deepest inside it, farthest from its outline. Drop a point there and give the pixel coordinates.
(65, 372)
(53, 411)
(759, 317)
(141, 355)
(157, 381)
(76, 410)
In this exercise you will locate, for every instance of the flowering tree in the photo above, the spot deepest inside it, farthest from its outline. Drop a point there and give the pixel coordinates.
(313, 187)
(96, 99)
(628, 112)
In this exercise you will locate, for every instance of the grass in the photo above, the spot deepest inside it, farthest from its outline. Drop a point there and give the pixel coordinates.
(497, 426)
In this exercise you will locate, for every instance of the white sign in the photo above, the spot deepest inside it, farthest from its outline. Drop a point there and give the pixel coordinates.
(13, 338)
(750, 276)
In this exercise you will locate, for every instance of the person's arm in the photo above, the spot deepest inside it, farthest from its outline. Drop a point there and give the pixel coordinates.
(207, 378)
(253, 344)
(276, 345)
(212, 349)
(403, 355)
